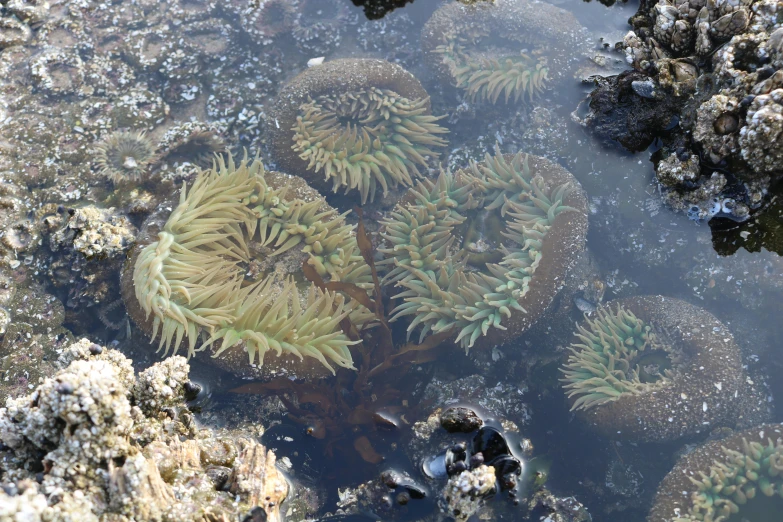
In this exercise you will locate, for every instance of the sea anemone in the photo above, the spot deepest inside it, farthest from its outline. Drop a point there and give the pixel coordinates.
(191, 142)
(355, 123)
(484, 251)
(319, 24)
(192, 280)
(654, 368)
(268, 19)
(618, 354)
(124, 156)
(739, 477)
(488, 51)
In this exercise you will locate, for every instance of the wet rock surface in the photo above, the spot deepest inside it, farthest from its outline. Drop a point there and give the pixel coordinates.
(629, 109)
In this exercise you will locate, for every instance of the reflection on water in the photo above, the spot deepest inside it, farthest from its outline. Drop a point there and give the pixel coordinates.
(108, 108)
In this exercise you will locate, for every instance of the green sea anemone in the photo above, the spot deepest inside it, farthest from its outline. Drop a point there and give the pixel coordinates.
(618, 354)
(486, 79)
(124, 156)
(484, 251)
(737, 478)
(497, 51)
(357, 124)
(226, 266)
(654, 368)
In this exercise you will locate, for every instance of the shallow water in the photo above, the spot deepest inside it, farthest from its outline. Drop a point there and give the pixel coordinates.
(638, 246)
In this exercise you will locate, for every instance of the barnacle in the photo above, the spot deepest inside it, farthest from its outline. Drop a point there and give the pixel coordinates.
(617, 354)
(13, 32)
(466, 250)
(124, 156)
(359, 131)
(654, 368)
(739, 477)
(191, 281)
(498, 51)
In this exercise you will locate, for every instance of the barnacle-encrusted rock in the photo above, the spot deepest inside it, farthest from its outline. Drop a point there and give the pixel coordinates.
(268, 19)
(483, 252)
(739, 477)
(361, 124)
(13, 32)
(655, 368)
(190, 144)
(95, 232)
(29, 11)
(465, 492)
(105, 444)
(709, 60)
(761, 139)
(238, 221)
(673, 171)
(58, 72)
(717, 121)
(687, 25)
(33, 335)
(483, 48)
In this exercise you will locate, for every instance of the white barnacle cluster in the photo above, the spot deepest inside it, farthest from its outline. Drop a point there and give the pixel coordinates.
(464, 493)
(761, 139)
(682, 25)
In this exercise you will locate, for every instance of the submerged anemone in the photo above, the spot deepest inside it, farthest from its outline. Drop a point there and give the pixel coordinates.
(226, 267)
(191, 142)
(319, 24)
(654, 368)
(736, 478)
(484, 251)
(124, 156)
(355, 123)
(496, 51)
(268, 19)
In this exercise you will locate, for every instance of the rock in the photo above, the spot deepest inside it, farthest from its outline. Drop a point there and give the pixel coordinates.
(102, 441)
(625, 108)
(460, 420)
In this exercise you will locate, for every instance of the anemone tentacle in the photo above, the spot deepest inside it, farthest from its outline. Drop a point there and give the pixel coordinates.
(521, 77)
(384, 140)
